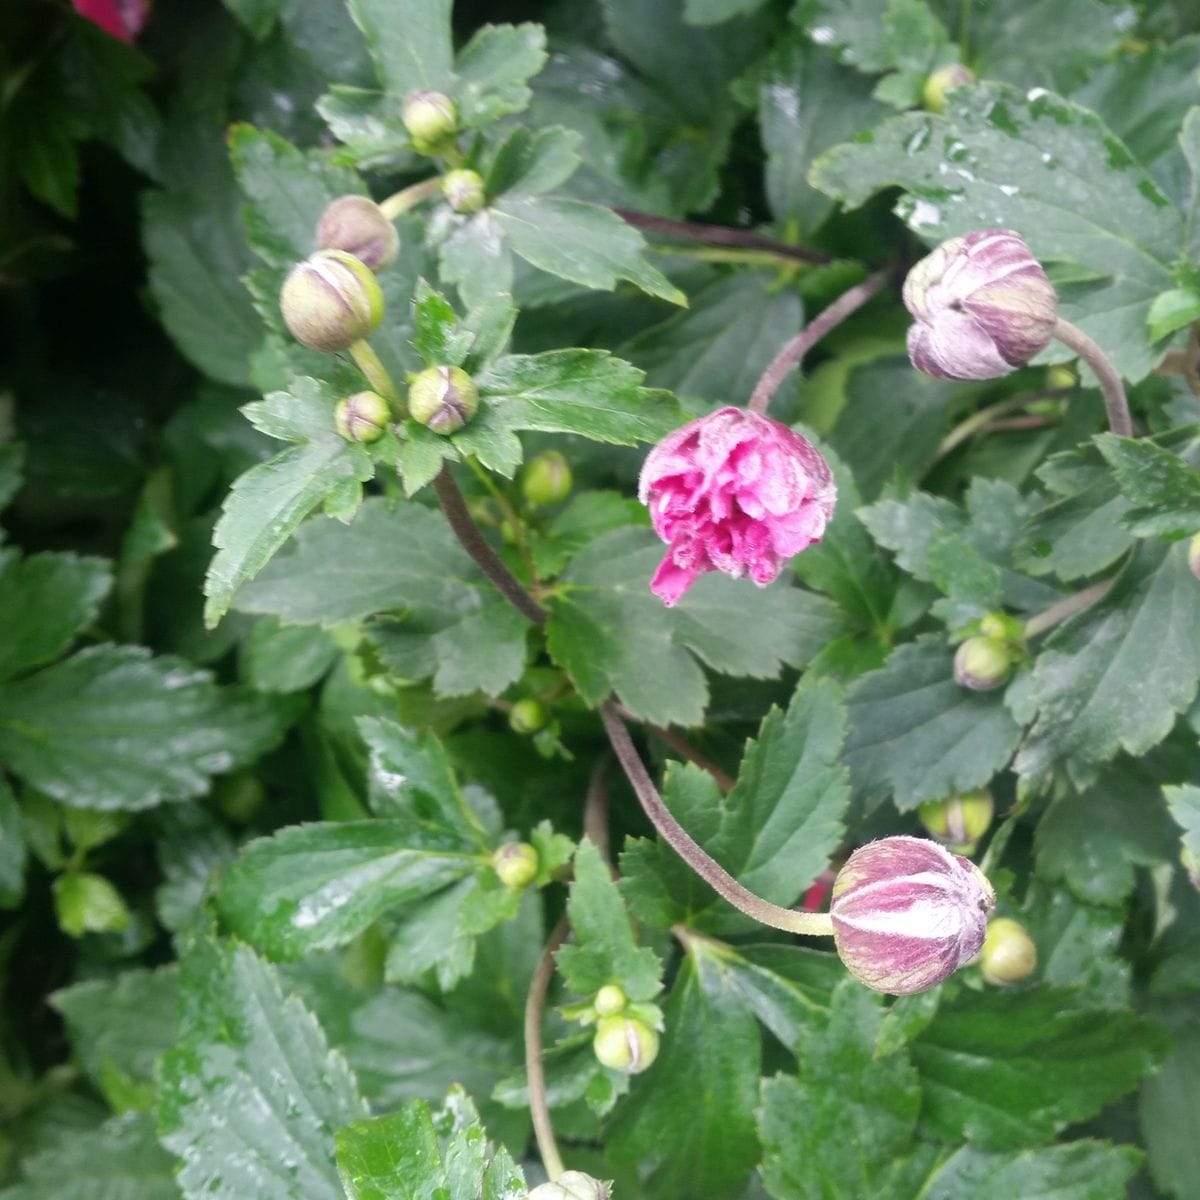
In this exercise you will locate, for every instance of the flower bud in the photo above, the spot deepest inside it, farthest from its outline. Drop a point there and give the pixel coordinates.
(1194, 555)
(609, 1001)
(121, 18)
(1009, 954)
(463, 190)
(572, 1185)
(330, 301)
(546, 479)
(933, 94)
(959, 822)
(907, 913)
(982, 663)
(362, 417)
(983, 307)
(430, 119)
(443, 398)
(517, 865)
(527, 716)
(357, 225)
(625, 1044)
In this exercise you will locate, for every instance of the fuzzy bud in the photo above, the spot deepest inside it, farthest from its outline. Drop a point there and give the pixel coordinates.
(572, 1185)
(982, 664)
(362, 417)
(959, 822)
(625, 1044)
(907, 913)
(609, 1000)
(546, 479)
(517, 865)
(330, 301)
(933, 94)
(358, 225)
(443, 398)
(528, 716)
(463, 190)
(431, 119)
(1009, 954)
(983, 307)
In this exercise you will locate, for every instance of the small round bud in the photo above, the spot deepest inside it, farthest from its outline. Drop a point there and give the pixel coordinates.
(1194, 555)
(357, 225)
(907, 913)
(528, 716)
(982, 304)
(517, 865)
(546, 479)
(362, 417)
(982, 663)
(1009, 954)
(959, 822)
(463, 190)
(443, 398)
(431, 119)
(625, 1044)
(572, 1185)
(933, 94)
(609, 1001)
(1061, 376)
(330, 301)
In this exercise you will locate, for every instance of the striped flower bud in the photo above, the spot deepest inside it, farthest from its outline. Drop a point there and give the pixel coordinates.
(431, 120)
(517, 865)
(1009, 953)
(463, 190)
(982, 664)
(362, 417)
(330, 301)
(359, 226)
(625, 1044)
(960, 821)
(442, 398)
(983, 307)
(907, 914)
(572, 1185)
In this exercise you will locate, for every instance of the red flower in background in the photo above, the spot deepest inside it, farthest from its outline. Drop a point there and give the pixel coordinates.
(123, 19)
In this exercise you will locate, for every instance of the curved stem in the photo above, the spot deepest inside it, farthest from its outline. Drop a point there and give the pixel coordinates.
(371, 365)
(777, 370)
(1065, 608)
(724, 884)
(474, 543)
(535, 1003)
(686, 751)
(718, 235)
(1071, 336)
(595, 810)
(410, 197)
(978, 420)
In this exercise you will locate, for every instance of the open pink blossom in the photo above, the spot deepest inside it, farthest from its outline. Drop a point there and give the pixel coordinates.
(733, 492)
(122, 18)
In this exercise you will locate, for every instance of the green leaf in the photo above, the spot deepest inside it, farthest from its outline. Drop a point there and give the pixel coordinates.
(1164, 489)
(12, 470)
(437, 335)
(713, 12)
(250, 1095)
(1168, 1104)
(286, 658)
(1003, 158)
(12, 848)
(409, 41)
(257, 15)
(529, 164)
(88, 903)
(493, 69)
(837, 1129)
(113, 728)
(688, 1124)
(1172, 310)
(1184, 805)
(1076, 1171)
(1189, 145)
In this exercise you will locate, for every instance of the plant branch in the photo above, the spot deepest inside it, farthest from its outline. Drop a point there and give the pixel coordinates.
(984, 417)
(1117, 407)
(535, 1003)
(371, 365)
(718, 235)
(686, 751)
(832, 316)
(476, 545)
(724, 884)
(1065, 608)
(595, 810)
(410, 197)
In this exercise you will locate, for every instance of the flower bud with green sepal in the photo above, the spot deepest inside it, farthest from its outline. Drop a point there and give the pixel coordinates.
(516, 863)
(933, 94)
(362, 417)
(546, 480)
(1008, 954)
(330, 301)
(528, 716)
(609, 1000)
(431, 120)
(960, 821)
(463, 190)
(357, 225)
(625, 1044)
(443, 399)
(982, 664)
(572, 1185)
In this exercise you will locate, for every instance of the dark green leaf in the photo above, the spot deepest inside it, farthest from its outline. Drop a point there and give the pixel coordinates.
(395, 1157)
(12, 848)
(1184, 805)
(437, 335)
(286, 658)
(409, 41)
(1075, 1171)
(493, 69)
(1169, 1102)
(1163, 488)
(529, 164)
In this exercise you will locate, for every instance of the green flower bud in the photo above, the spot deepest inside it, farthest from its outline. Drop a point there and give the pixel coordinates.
(1009, 954)
(959, 822)
(517, 865)
(981, 664)
(1194, 555)
(331, 300)
(933, 94)
(431, 119)
(357, 225)
(609, 1001)
(546, 479)
(625, 1044)
(362, 417)
(528, 716)
(463, 190)
(572, 1185)
(1061, 376)
(443, 398)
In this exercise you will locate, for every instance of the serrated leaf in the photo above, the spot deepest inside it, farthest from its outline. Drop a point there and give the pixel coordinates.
(1083, 1170)
(529, 164)
(114, 728)
(393, 1157)
(437, 335)
(1184, 805)
(1167, 1105)
(410, 43)
(493, 69)
(1164, 489)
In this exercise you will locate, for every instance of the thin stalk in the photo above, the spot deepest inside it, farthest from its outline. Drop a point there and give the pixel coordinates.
(595, 810)
(473, 542)
(535, 1003)
(686, 751)
(510, 513)
(1065, 608)
(370, 364)
(751, 256)
(1117, 407)
(724, 884)
(410, 197)
(984, 417)
(718, 235)
(779, 367)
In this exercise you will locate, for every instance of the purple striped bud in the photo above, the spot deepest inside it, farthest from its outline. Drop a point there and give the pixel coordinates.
(983, 307)
(330, 301)
(907, 914)
(359, 226)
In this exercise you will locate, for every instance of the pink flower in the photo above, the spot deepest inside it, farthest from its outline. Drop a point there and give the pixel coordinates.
(121, 18)
(733, 492)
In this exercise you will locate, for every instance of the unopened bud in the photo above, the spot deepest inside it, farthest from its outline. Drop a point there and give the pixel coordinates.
(517, 865)
(331, 300)
(907, 913)
(443, 398)
(362, 417)
(983, 307)
(1061, 376)
(1009, 954)
(572, 1185)
(609, 1000)
(933, 94)
(528, 716)
(546, 479)
(982, 663)
(359, 226)
(625, 1044)
(431, 119)
(1194, 555)
(463, 190)
(959, 822)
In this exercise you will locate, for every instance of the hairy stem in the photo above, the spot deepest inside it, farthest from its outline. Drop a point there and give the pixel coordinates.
(410, 197)
(1065, 608)
(370, 364)
(535, 1003)
(685, 750)
(724, 884)
(718, 235)
(779, 367)
(476, 545)
(1071, 336)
